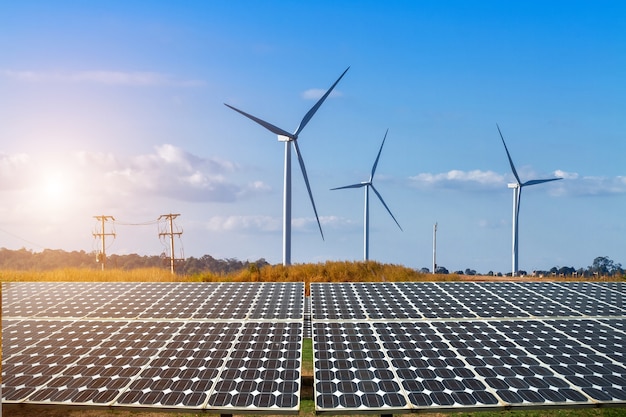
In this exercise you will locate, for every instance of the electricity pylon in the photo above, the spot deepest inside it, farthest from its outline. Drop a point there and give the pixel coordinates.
(102, 257)
(170, 217)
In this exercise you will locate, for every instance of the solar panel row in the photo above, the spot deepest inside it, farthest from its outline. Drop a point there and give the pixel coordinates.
(442, 300)
(541, 350)
(223, 347)
(124, 300)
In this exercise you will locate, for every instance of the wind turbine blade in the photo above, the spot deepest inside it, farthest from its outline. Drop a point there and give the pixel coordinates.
(383, 201)
(268, 126)
(359, 185)
(509, 156)
(378, 157)
(519, 201)
(533, 182)
(317, 105)
(306, 181)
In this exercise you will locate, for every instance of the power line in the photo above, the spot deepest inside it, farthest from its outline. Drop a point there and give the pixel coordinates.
(22, 239)
(147, 223)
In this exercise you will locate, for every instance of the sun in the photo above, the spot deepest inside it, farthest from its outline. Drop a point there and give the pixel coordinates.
(56, 188)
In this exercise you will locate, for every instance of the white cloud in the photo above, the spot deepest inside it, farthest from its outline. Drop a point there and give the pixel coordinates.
(129, 78)
(169, 172)
(244, 223)
(271, 224)
(456, 178)
(174, 173)
(13, 170)
(575, 185)
(304, 224)
(565, 175)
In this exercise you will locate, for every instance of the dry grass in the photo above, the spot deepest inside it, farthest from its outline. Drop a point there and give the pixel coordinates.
(335, 271)
(89, 275)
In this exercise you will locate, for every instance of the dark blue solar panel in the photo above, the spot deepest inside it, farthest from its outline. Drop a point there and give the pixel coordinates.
(140, 345)
(368, 357)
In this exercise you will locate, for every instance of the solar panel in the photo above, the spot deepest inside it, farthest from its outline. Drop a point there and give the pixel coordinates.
(147, 345)
(496, 345)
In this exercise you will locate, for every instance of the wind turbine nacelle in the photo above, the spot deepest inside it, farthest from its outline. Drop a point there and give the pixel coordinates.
(513, 185)
(282, 138)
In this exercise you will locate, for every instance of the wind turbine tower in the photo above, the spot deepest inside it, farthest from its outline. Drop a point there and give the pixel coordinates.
(517, 194)
(367, 185)
(435, 248)
(289, 139)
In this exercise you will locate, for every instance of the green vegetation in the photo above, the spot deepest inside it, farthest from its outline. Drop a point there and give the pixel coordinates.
(50, 259)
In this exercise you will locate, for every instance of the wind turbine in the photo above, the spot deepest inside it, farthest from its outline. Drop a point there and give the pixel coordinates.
(284, 136)
(370, 184)
(517, 194)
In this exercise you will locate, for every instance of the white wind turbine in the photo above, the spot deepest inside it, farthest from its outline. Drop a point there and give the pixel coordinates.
(367, 185)
(284, 136)
(517, 194)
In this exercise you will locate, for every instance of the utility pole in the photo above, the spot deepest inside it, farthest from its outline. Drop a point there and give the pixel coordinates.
(170, 217)
(435, 248)
(102, 257)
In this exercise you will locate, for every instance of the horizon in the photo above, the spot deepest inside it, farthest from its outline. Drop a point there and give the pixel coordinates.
(117, 109)
(576, 269)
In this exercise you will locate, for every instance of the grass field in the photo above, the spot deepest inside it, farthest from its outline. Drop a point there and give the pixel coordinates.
(326, 272)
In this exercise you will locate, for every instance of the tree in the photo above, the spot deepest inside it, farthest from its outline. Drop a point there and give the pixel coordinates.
(567, 271)
(602, 265)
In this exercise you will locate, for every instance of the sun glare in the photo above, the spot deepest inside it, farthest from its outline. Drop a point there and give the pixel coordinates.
(55, 189)
(54, 186)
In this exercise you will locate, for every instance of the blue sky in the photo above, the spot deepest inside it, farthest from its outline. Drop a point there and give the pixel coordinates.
(116, 108)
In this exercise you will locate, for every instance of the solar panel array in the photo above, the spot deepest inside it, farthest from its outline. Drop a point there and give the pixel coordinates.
(378, 347)
(407, 347)
(225, 347)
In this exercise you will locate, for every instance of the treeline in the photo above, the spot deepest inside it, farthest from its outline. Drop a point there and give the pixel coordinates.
(602, 266)
(49, 259)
